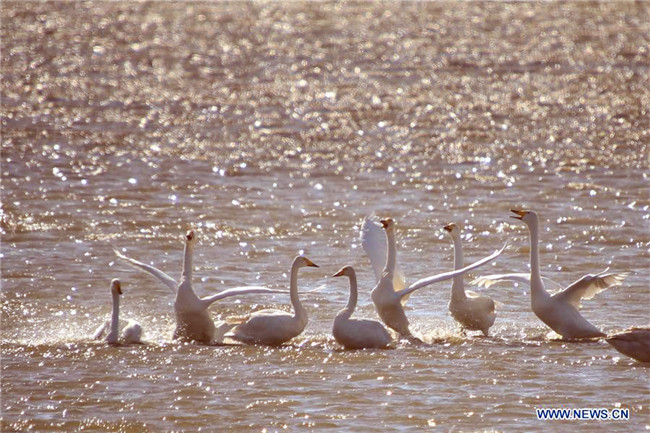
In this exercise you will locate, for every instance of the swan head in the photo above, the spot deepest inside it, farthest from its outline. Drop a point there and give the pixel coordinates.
(190, 237)
(387, 223)
(116, 286)
(452, 229)
(302, 261)
(527, 216)
(347, 271)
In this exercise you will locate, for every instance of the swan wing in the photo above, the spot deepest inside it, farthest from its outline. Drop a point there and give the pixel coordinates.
(632, 334)
(488, 280)
(473, 294)
(221, 329)
(373, 241)
(589, 286)
(237, 320)
(166, 279)
(399, 282)
(314, 290)
(259, 314)
(451, 274)
(235, 291)
(101, 330)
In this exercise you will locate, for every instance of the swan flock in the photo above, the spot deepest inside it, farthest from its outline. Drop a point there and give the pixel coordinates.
(473, 312)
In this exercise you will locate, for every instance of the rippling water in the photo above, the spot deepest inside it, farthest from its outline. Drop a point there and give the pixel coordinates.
(272, 129)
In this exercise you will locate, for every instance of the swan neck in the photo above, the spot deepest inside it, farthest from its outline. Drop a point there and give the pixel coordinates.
(187, 262)
(352, 299)
(293, 291)
(534, 252)
(457, 287)
(115, 319)
(391, 257)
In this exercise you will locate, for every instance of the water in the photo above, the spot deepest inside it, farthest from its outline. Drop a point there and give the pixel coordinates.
(272, 130)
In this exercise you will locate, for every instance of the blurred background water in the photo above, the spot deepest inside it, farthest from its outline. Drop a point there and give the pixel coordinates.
(272, 129)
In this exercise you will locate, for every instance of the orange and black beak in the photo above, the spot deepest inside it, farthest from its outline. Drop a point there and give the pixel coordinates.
(339, 273)
(449, 227)
(190, 235)
(386, 222)
(520, 214)
(310, 263)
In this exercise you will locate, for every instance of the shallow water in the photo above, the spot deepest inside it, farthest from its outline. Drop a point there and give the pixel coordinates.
(272, 130)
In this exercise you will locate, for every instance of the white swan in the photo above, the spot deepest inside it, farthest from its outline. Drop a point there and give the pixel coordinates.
(388, 302)
(357, 333)
(373, 241)
(274, 327)
(634, 342)
(193, 322)
(560, 310)
(132, 331)
(474, 312)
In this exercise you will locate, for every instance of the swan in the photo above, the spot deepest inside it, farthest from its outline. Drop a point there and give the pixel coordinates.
(388, 301)
(473, 311)
(132, 331)
(357, 333)
(274, 327)
(560, 310)
(634, 342)
(373, 241)
(193, 322)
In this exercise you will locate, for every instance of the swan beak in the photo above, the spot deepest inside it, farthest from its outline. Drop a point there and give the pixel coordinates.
(118, 286)
(190, 235)
(339, 273)
(386, 222)
(310, 263)
(449, 227)
(520, 214)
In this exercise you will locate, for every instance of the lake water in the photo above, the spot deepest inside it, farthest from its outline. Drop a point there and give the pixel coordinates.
(272, 130)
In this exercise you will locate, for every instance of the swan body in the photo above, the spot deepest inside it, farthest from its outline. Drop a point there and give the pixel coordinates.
(357, 333)
(132, 332)
(560, 310)
(634, 342)
(388, 301)
(273, 327)
(193, 320)
(472, 311)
